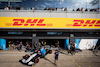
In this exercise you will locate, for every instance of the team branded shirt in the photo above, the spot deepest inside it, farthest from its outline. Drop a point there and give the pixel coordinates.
(56, 54)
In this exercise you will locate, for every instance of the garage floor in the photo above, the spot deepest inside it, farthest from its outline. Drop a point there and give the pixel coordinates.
(85, 58)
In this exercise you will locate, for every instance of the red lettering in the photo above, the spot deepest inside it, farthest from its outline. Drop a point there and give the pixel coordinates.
(41, 20)
(18, 22)
(78, 22)
(97, 24)
(40, 23)
(25, 24)
(29, 21)
(89, 23)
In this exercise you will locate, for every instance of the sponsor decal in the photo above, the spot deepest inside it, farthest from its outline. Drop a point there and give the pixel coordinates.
(58, 23)
(88, 23)
(29, 22)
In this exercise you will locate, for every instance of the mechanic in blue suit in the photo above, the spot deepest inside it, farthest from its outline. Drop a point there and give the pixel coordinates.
(43, 51)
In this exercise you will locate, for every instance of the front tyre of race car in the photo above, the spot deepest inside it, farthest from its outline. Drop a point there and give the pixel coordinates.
(26, 56)
(36, 60)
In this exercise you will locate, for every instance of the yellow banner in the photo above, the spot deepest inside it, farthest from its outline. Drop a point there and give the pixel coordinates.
(53, 23)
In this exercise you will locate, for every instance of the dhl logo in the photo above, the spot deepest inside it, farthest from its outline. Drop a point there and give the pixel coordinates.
(29, 22)
(89, 23)
(39, 22)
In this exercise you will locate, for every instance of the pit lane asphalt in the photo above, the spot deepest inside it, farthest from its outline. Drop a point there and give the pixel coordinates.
(10, 58)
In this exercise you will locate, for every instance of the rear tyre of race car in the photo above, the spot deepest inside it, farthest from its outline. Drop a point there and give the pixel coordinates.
(36, 60)
(50, 51)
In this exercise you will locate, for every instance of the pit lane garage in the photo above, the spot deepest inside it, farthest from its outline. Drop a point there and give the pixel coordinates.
(50, 37)
(13, 43)
(53, 42)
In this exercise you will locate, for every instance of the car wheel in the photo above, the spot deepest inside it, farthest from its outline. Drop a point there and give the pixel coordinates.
(36, 60)
(50, 51)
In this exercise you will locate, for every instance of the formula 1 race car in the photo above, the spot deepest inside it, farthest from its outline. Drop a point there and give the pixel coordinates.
(34, 58)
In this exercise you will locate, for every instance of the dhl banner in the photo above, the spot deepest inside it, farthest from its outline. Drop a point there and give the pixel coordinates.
(53, 23)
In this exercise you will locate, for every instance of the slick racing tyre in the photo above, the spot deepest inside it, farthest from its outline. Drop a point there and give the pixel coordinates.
(36, 60)
(26, 56)
(50, 51)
